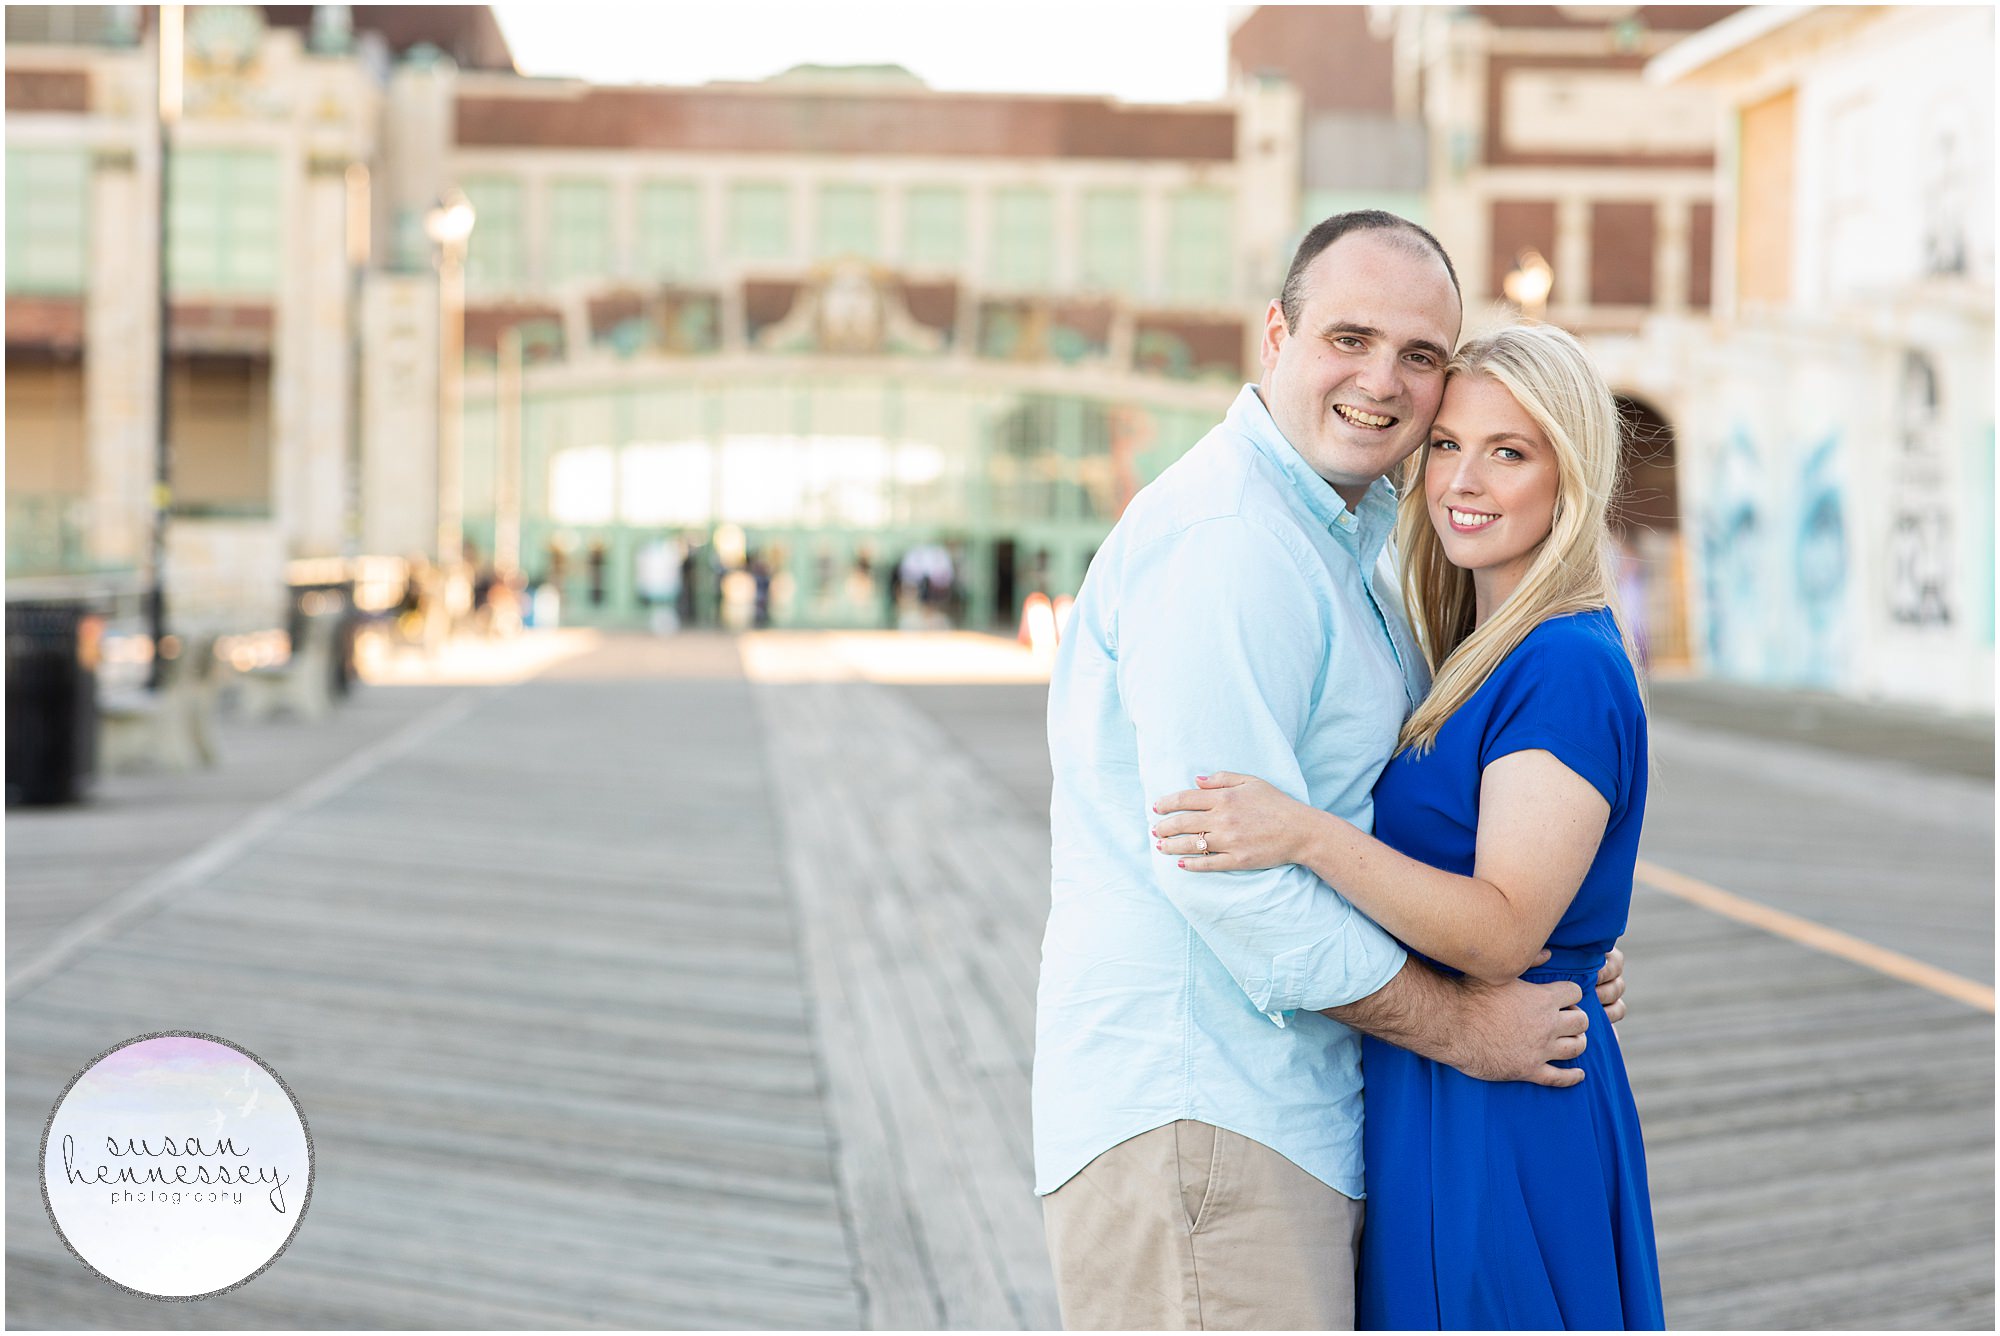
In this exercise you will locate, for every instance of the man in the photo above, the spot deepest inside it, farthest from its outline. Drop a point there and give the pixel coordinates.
(1197, 1083)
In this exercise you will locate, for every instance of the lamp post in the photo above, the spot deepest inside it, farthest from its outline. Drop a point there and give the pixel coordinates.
(170, 76)
(359, 235)
(1529, 283)
(507, 482)
(449, 226)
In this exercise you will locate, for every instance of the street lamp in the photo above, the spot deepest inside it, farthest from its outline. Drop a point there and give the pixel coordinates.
(171, 76)
(449, 226)
(359, 236)
(449, 222)
(1529, 283)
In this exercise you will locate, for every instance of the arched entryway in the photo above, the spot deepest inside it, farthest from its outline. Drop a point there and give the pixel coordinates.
(1645, 518)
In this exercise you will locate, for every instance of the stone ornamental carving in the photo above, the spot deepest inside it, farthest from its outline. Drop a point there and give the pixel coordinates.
(851, 308)
(227, 75)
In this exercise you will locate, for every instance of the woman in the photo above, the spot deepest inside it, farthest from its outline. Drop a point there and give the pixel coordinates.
(1507, 822)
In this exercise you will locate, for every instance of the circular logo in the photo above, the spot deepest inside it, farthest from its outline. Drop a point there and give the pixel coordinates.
(177, 1165)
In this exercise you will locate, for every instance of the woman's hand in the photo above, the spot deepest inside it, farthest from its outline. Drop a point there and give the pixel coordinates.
(1611, 986)
(1232, 823)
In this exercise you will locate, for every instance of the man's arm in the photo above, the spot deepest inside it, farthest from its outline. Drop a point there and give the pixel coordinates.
(1221, 639)
(1219, 645)
(1509, 1031)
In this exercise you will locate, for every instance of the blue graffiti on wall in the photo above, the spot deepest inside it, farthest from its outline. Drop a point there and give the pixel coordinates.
(1731, 548)
(1775, 561)
(1819, 563)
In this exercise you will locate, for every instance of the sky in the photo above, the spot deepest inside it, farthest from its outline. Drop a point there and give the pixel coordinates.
(1166, 51)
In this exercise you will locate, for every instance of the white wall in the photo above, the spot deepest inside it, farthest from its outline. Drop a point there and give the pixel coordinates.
(1839, 533)
(1895, 168)
(399, 406)
(1837, 454)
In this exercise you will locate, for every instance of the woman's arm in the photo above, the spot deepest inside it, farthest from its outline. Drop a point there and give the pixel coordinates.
(1539, 827)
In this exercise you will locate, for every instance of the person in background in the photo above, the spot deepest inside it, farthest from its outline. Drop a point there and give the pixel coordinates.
(658, 578)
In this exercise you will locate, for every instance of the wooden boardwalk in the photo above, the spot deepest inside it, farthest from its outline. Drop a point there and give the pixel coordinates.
(535, 982)
(652, 993)
(1819, 1136)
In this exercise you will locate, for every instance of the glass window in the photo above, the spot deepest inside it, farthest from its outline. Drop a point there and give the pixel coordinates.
(666, 483)
(583, 485)
(669, 230)
(1111, 242)
(763, 480)
(494, 259)
(760, 221)
(73, 25)
(847, 222)
(1200, 253)
(224, 218)
(1023, 238)
(219, 410)
(934, 226)
(579, 230)
(846, 481)
(48, 220)
(940, 431)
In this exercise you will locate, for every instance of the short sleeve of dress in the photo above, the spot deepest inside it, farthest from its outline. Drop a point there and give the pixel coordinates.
(1568, 689)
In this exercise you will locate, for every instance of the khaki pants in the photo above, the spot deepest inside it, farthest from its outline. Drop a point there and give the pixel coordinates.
(1190, 1227)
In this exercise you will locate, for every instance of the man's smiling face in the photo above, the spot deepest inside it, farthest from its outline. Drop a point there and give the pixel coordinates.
(1354, 387)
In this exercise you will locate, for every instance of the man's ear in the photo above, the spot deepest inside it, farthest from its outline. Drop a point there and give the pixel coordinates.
(1275, 335)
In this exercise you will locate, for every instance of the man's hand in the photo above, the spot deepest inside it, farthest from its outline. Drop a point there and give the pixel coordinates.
(1611, 986)
(1515, 1031)
(1512, 1031)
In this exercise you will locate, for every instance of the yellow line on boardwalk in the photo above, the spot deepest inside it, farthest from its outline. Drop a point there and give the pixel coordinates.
(1821, 938)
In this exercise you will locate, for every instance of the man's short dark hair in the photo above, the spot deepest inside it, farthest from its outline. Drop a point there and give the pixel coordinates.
(1329, 230)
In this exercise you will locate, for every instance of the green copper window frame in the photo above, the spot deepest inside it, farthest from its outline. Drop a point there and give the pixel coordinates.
(48, 221)
(579, 230)
(495, 259)
(760, 220)
(669, 241)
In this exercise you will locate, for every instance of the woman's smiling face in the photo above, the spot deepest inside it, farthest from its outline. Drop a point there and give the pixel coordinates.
(1491, 483)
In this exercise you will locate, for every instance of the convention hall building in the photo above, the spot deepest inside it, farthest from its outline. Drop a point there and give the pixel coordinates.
(808, 326)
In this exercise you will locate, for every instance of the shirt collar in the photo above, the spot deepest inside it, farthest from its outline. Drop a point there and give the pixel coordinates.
(1365, 529)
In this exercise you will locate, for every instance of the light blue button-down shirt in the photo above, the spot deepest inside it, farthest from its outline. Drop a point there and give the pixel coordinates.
(1234, 620)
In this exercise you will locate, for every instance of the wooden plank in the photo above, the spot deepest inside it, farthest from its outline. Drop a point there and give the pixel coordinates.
(940, 968)
(967, 1290)
(557, 1056)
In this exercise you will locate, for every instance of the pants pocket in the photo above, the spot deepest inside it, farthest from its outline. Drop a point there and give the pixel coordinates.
(1199, 1148)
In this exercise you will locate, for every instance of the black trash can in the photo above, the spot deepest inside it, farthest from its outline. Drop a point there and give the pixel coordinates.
(51, 703)
(320, 600)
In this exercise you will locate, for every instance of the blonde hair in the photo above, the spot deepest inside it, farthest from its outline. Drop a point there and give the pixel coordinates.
(1553, 379)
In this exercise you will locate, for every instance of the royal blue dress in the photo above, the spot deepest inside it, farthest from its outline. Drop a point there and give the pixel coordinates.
(1510, 1205)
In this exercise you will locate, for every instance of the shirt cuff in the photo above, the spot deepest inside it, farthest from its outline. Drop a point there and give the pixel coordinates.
(1343, 967)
